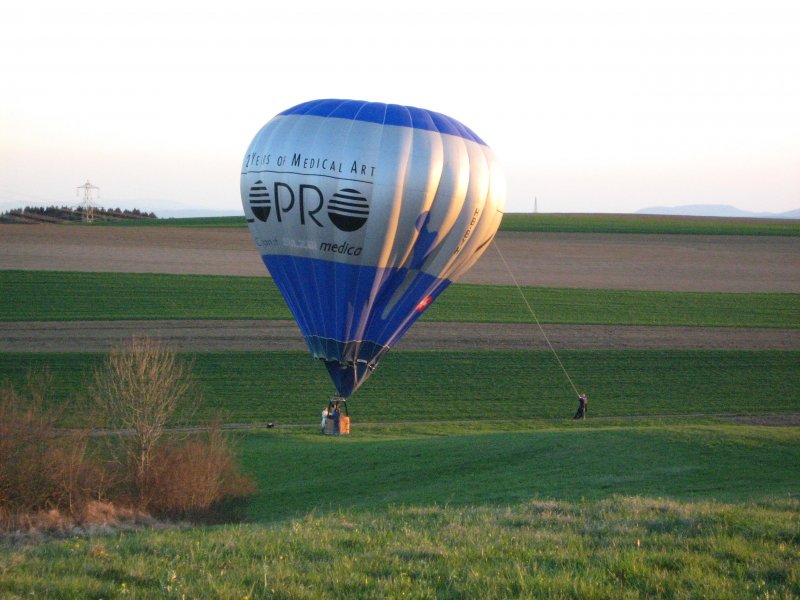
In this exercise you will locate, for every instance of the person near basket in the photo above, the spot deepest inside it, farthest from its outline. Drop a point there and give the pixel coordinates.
(583, 406)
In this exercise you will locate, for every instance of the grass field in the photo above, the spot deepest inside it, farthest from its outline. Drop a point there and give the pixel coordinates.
(465, 475)
(654, 224)
(568, 223)
(232, 221)
(617, 548)
(466, 478)
(54, 295)
(290, 387)
(461, 513)
(457, 464)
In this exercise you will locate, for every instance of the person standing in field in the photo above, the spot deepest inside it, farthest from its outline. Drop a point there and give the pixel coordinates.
(583, 406)
(335, 415)
(324, 419)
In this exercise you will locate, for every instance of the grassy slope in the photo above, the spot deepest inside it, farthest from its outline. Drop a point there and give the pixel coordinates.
(290, 387)
(421, 466)
(483, 509)
(418, 514)
(54, 295)
(618, 548)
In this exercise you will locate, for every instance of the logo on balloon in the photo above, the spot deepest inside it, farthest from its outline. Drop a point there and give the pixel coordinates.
(260, 203)
(348, 209)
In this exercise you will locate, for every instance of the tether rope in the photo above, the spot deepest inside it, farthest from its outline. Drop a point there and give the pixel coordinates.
(536, 320)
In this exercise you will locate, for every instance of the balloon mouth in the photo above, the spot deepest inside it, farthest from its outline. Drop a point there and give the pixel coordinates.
(348, 353)
(348, 376)
(349, 363)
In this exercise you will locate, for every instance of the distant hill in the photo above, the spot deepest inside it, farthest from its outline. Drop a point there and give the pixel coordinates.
(66, 214)
(715, 210)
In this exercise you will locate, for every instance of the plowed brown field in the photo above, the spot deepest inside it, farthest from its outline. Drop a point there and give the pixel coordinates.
(624, 261)
(615, 261)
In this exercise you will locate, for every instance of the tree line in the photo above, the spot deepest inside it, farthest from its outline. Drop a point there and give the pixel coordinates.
(67, 213)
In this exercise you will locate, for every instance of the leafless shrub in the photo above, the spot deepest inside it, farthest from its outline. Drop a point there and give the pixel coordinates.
(76, 474)
(41, 468)
(53, 478)
(138, 390)
(189, 479)
(25, 432)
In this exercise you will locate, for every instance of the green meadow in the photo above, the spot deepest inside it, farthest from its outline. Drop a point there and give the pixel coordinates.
(466, 385)
(55, 295)
(647, 224)
(660, 508)
(458, 464)
(228, 221)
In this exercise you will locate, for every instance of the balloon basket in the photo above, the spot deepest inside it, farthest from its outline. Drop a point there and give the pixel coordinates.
(344, 426)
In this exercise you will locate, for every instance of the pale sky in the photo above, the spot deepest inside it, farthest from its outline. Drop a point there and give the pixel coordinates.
(590, 106)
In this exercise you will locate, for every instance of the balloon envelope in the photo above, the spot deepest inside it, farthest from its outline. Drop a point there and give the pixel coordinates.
(364, 213)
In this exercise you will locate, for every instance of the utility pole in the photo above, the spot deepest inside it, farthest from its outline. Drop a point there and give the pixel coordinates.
(535, 204)
(88, 206)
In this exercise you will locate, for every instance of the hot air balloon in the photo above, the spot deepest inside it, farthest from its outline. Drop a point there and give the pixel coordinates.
(364, 213)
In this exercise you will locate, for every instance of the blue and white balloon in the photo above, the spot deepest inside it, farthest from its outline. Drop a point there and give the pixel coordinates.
(364, 213)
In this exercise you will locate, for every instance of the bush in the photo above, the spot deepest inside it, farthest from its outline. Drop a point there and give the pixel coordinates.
(41, 467)
(139, 391)
(54, 476)
(191, 479)
(25, 432)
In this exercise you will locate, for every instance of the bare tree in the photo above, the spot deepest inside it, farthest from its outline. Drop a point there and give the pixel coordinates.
(138, 390)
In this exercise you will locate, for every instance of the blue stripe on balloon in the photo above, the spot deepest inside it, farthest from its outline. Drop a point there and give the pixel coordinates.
(385, 114)
(340, 310)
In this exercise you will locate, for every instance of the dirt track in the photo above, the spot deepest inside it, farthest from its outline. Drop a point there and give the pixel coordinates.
(652, 262)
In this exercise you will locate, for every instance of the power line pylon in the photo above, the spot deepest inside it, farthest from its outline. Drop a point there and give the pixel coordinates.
(88, 206)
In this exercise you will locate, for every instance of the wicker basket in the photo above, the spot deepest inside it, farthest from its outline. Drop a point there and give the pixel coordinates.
(344, 426)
